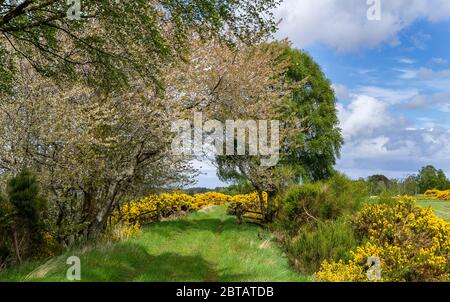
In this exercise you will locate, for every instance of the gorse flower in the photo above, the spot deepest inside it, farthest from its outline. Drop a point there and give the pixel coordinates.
(438, 194)
(412, 243)
(132, 215)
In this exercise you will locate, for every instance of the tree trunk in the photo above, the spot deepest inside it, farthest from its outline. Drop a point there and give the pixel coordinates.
(263, 207)
(16, 247)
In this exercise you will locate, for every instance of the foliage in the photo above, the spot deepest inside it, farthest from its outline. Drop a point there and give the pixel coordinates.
(378, 184)
(309, 138)
(313, 224)
(241, 203)
(93, 150)
(431, 178)
(321, 201)
(331, 239)
(411, 242)
(197, 190)
(441, 209)
(315, 140)
(202, 246)
(261, 90)
(97, 150)
(438, 194)
(428, 178)
(115, 35)
(24, 195)
(132, 215)
(409, 186)
(243, 187)
(22, 229)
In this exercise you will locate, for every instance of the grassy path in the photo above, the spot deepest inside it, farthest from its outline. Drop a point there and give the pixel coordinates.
(204, 246)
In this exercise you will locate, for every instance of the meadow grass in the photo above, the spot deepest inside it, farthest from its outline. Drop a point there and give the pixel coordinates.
(440, 207)
(203, 246)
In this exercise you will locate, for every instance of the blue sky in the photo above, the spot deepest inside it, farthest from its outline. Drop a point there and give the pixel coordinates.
(391, 77)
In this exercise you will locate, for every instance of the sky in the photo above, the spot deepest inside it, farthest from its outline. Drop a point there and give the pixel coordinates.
(391, 77)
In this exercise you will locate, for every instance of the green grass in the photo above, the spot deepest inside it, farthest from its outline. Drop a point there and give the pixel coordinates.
(204, 246)
(440, 207)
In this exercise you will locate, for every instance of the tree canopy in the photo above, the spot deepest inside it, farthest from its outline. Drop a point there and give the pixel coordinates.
(431, 178)
(314, 151)
(115, 41)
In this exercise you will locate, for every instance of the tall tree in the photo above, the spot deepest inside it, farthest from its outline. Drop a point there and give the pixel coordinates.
(431, 178)
(92, 150)
(309, 137)
(314, 150)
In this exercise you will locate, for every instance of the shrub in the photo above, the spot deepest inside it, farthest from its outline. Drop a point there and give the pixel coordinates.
(328, 240)
(210, 198)
(22, 228)
(411, 242)
(133, 214)
(438, 194)
(246, 202)
(127, 220)
(314, 202)
(312, 225)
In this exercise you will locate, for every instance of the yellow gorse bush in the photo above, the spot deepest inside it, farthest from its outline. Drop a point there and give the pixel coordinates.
(438, 194)
(412, 243)
(247, 202)
(210, 198)
(132, 215)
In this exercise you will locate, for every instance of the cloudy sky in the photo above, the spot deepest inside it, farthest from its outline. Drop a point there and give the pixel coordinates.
(391, 77)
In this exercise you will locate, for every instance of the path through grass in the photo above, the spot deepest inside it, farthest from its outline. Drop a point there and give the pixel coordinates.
(204, 246)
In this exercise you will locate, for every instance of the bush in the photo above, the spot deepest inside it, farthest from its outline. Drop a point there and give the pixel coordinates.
(127, 220)
(312, 225)
(328, 240)
(321, 201)
(22, 228)
(246, 202)
(411, 242)
(438, 194)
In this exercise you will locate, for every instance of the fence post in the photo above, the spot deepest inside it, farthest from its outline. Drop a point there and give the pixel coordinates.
(158, 212)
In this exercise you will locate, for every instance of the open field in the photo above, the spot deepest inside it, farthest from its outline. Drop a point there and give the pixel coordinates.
(204, 246)
(440, 207)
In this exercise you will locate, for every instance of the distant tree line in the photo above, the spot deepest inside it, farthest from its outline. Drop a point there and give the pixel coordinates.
(427, 178)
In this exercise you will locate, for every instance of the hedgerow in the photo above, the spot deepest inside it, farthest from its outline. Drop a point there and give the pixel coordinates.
(127, 220)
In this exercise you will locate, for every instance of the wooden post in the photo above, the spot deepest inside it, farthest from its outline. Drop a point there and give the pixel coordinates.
(158, 213)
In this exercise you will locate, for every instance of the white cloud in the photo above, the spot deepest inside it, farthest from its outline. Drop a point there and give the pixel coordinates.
(440, 100)
(341, 92)
(439, 61)
(391, 96)
(406, 61)
(343, 24)
(420, 40)
(396, 151)
(376, 142)
(362, 116)
(423, 73)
